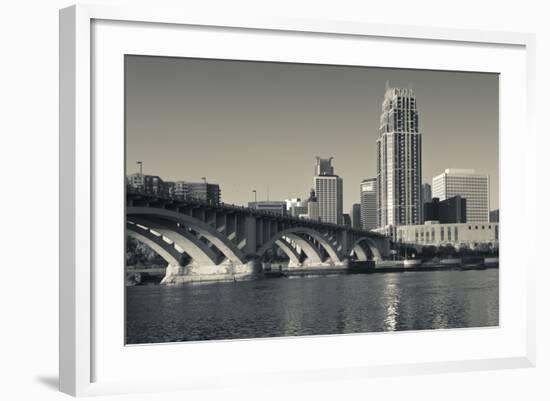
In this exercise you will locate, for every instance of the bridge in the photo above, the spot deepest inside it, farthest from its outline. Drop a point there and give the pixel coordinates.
(202, 240)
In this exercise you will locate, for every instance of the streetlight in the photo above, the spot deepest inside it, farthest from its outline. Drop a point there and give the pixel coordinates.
(142, 181)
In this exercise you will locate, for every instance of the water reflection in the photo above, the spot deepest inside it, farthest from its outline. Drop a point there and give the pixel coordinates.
(391, 301)
(315, 305)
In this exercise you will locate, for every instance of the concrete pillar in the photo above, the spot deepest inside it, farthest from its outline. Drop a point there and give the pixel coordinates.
(221, 222)
(260, 232)
(250, 231)
(231, 226)
(345, 242)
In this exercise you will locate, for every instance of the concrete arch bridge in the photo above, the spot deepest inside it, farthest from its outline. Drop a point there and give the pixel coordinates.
(205, 241)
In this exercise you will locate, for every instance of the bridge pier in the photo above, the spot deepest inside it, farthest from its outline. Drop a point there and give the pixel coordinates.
(225, 271)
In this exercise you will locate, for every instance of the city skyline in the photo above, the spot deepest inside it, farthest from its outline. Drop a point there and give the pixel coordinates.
(214, 107)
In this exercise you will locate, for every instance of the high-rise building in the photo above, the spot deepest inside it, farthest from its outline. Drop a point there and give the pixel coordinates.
(470, 186)
(198, 191)
(368, 204)
(399, 160)
(323, 166)
(425, 197)
(312, 206)
(329, 192)
(426, 192)
(356, 216)
(346, 220)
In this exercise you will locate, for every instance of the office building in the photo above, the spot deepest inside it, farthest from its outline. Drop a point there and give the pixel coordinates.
(276, 207)
(312, 207)
(296, 207)
(356, 216)
(470, 186)
(452, 210)
(150, 184)
(329, 192)
(198, 191)
(323, 166)
(346, 220)
(368, 204)
(426, 192)
(399, 160)
(425, 197)
(460, 234)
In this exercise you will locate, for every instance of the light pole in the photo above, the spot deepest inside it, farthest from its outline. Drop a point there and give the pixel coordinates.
(142, 181)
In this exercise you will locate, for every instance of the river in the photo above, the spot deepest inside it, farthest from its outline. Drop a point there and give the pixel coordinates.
(312, 306)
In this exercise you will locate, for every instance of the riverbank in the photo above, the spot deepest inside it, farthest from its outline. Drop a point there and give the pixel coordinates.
(147, 276)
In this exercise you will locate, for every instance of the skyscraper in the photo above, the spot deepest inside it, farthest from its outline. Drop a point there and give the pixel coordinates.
(355, 214)
(329, 192)
(312, 206)
(470, 186)
(323, 166)
(425, 197)
(368, 204)
(426, 192)
(399, 160)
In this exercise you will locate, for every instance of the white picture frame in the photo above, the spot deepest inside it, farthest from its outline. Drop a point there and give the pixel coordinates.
(84, 350)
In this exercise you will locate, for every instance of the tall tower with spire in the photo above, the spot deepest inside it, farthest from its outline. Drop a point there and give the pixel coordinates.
(399, 160)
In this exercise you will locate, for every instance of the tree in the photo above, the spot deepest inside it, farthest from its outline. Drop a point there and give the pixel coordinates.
(428, 252)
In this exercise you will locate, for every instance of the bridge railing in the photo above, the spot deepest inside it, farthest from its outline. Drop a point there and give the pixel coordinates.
(193, 201)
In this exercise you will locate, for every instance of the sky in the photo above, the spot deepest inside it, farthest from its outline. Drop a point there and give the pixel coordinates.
(249, 125)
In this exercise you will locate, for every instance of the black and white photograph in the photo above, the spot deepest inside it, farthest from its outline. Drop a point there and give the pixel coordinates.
(270, 199)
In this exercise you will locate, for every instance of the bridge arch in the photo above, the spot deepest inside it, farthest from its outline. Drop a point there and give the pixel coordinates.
(157, 244)
(228, 248)
(198, 250)
(361, 252)
(310, 250)
(289, 250)
(312, 253)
